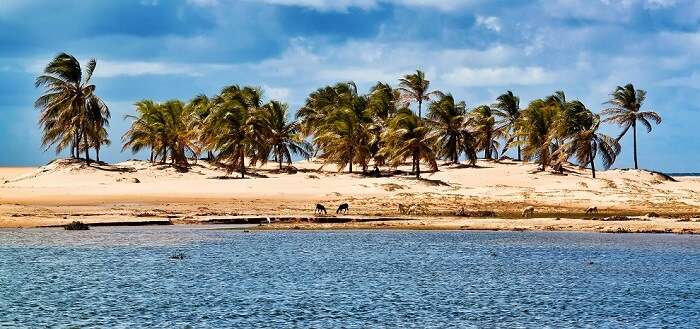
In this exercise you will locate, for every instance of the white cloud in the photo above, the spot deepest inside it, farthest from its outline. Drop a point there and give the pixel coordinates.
(111, 69)
(344, 5)
(489, 22)
(281, 94)
(203, 3)
(499, 76)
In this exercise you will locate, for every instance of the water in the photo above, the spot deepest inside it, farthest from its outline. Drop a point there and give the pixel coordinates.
(124, 277)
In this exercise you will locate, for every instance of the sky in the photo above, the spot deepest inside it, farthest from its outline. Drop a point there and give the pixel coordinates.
(474, 49)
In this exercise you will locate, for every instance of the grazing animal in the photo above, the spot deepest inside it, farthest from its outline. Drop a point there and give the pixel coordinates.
(343, 208)
(320, 208)
(528, 211)
(411, 209)
(592, 210)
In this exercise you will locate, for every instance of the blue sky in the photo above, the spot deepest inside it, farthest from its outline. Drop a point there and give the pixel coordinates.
(475, 49)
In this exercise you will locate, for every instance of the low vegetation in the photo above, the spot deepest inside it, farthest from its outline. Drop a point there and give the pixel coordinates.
(76, 226)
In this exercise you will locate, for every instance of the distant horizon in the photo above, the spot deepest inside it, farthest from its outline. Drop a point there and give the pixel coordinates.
(474, 50)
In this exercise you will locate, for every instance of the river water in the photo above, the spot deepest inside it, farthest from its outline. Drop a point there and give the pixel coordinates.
(127, 277)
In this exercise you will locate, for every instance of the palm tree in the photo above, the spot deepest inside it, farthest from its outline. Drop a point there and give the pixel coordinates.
(414, 88)
(584, 142)
(162, 128)
(382, 103)
(71, 113)
(486, 131)
(198, 109)
(234, 128)
(449, 120)
(507, 108)
(410, 137)
(626, 112)
(345, 135)
(284, 137)
(535, 131)
(145, 129)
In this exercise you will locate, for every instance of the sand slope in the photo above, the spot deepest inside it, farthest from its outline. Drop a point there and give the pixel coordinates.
(66, 190)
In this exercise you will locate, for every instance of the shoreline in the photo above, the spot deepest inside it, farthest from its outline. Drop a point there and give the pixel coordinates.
(656, 225)
(492, 195)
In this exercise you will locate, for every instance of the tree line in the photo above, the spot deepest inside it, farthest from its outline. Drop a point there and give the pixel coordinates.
(340, 125)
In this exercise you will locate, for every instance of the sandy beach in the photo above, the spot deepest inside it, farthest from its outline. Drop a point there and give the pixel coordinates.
(135, 191)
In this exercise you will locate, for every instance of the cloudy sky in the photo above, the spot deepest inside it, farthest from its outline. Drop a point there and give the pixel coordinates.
(475, 49)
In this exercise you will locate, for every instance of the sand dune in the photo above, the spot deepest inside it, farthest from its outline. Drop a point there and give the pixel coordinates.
(67, 190)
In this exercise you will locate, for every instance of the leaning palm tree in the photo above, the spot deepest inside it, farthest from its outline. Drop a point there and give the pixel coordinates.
(72, 115)
(234, 128)
(414, 88)
(585, 143)
(626, 112)
(410, 137)
(486, 131)
(449, 120)
(284, 137)
(507, 108)
(163, 129)
(535, 132)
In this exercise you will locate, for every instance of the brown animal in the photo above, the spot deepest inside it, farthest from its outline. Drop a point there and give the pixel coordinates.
(320, 208)
(528, 211)
(592, 210)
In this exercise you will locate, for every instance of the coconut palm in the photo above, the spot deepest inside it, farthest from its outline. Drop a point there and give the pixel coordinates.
(344, 136)
(163, 128)
(486, 131)
(72, 115)
(626, 111)
(535, 131)
(414, 88)
(198, 109)
(585, 143)
(507, 109)
(283, 137)
(234, 128)
(449, 120)
(382, 103)
(410, 137)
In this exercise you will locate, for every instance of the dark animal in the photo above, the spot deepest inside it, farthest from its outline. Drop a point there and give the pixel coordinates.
(592, 210)
(320, 208)
(343, 208)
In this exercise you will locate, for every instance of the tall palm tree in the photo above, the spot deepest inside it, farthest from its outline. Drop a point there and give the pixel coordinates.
(71, 113)
(535, 131)
(234, 128)
(382, 103)
(507, 108)
(626, 112)
(486, 131)
(410, 137)
(449, 121)
(414, 88)
(284, 137)
(585, 143)
(198, 110)
(345, 135)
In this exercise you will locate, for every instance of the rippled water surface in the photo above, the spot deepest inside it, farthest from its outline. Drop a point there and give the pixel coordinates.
(125, 277)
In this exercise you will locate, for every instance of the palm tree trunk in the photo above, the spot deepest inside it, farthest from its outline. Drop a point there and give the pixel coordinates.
(519, 153)
(97, 153)
(150, 159)
(593, 166)
(420, 103)
(416, 159)
(634, 135)
(280, 162)
(242, 166)
(87, 149)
